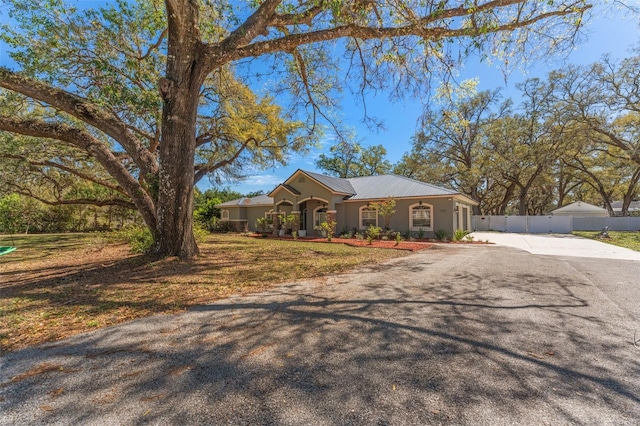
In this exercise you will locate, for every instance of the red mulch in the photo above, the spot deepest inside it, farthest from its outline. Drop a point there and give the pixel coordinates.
(402, 245)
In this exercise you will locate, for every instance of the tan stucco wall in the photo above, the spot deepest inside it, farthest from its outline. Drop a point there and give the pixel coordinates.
(235, 213)
(253, 213)
(443, 215)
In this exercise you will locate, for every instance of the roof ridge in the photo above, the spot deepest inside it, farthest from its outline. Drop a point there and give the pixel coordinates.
(441, 188)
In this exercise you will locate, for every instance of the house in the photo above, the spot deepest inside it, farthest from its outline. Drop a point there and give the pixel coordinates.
(580, 209)
(634, 207)
(314, 198)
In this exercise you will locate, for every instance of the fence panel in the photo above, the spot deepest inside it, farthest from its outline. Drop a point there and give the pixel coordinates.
(524, 224)
(489, 223)
(550, 224)
(517, 224)
(614, 223)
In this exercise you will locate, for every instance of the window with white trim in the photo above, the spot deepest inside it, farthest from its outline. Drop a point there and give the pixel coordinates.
(368, 217)
(224, 215)
(319, 216)
(421, 217)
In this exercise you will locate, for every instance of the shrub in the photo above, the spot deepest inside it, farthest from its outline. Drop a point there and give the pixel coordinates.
(442, 235)
(398, 238)
(459, 234)
(329, 227)
(138, 237)
(372, 233)
(420, 233)
(200, 233)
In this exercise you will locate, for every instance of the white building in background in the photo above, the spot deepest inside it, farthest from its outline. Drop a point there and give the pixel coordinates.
(580, 209)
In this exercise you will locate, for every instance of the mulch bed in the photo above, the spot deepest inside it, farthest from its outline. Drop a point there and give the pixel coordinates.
(402, 245)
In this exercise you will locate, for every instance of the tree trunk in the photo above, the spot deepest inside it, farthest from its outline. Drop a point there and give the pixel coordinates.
(180, 91)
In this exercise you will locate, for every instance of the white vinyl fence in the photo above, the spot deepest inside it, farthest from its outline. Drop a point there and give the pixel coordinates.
(614, 223)
(524, 224)
(552, 224)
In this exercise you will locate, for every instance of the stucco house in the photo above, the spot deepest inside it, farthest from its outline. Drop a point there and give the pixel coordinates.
(316, 198)
(633, 209)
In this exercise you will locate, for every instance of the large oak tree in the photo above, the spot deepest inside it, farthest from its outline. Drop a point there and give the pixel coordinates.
(393, 44)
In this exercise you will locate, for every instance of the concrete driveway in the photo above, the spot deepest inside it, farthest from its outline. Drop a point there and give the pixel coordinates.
(465, 335)
(558, 245)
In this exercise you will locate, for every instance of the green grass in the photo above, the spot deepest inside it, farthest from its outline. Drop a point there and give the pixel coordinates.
(630, 239)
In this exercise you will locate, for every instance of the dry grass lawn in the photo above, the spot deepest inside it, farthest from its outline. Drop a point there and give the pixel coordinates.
(55, 286)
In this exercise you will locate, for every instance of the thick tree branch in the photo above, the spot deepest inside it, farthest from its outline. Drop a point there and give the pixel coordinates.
(99, 150)
(75, 201)
(220, 55)
(84, 110)
(62, 167)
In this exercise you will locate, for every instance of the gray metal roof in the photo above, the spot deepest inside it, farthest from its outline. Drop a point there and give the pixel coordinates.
(260, 200)
(335, 184)
(360, 188)
(634, 206)
(376, 187)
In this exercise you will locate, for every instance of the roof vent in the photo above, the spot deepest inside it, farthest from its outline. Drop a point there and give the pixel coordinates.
(302, 179)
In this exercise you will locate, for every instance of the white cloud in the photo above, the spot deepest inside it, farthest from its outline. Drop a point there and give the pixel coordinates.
(262, 180)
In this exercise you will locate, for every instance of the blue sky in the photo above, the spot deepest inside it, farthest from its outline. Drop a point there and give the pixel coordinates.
(614, 31)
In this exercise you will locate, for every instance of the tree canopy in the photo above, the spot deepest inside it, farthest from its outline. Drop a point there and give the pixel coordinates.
(574, 136)
(154, 94)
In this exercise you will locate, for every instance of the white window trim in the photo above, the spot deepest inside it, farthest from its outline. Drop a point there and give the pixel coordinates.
(418, 228)
(315, 211)
(360, 210)
(224, 214)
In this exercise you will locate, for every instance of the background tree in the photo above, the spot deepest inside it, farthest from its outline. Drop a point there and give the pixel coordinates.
(448, 150)
(347, 160)
(108, 101)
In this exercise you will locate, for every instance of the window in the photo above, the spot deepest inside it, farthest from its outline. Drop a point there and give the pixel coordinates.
(420, 217)
(224, 215)
(368, 217)
(319, 216)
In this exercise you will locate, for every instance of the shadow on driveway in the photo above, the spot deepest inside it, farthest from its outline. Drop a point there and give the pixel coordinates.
(508, 338)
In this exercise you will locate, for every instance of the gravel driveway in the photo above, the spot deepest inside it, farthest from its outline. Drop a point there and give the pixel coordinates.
(476, 335)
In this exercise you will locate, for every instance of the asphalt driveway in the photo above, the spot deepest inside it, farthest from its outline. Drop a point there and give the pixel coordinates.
(476, 335)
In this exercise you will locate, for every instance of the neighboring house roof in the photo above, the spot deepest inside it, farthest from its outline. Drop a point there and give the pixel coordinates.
(580, 208)
(634, 206)
(384, 186)
(260, 200)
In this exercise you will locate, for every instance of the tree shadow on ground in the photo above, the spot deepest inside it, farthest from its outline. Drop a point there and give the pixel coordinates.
(450, 347)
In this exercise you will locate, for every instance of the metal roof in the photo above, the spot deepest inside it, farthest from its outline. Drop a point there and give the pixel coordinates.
(260, 200)
(360, 188)
(634, 206)
(383, 186)
(580, 206)
(335, 184)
